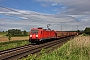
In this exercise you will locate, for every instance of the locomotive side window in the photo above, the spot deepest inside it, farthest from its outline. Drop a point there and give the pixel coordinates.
(34, 31)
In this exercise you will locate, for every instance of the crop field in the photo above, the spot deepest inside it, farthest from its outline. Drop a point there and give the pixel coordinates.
(5, 39)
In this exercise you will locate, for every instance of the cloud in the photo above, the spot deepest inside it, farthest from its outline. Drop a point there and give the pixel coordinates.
(44, 5)
(74, 7)
(76, 10)
(54, 4)
(25, 20)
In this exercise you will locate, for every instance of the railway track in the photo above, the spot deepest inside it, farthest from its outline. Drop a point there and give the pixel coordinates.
(19, 52)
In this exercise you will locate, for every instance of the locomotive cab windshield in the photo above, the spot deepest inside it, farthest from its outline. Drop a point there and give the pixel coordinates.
(34, 31)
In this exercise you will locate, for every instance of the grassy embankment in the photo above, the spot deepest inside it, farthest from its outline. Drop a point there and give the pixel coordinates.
(12, 44)
(76, 49)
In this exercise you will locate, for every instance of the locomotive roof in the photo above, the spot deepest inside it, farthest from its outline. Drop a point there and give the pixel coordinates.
(42, 29)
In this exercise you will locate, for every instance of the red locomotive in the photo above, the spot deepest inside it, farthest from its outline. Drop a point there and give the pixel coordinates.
(40, 34)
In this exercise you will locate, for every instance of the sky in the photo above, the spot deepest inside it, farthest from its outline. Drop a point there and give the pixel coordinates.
(63, 15)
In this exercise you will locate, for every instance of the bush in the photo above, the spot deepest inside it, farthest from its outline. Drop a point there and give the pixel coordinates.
(9, 37)
(84, 34)
(87, 31)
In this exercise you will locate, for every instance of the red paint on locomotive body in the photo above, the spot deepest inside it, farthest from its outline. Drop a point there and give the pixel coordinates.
(40, 34)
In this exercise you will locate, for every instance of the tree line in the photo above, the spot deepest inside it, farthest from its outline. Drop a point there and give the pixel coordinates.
(16, 32)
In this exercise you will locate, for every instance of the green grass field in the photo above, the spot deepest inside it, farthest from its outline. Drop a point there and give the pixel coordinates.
(12, 44)
(76, 49)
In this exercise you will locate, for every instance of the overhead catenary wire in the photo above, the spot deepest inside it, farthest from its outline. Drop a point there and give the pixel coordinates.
(22, 4)
(22, 14)
(13, 10)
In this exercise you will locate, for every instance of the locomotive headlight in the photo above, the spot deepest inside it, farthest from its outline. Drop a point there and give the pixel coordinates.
(30, 35)
(36, 35)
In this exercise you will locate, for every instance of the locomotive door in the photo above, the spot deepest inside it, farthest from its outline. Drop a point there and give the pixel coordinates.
(41, 34)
